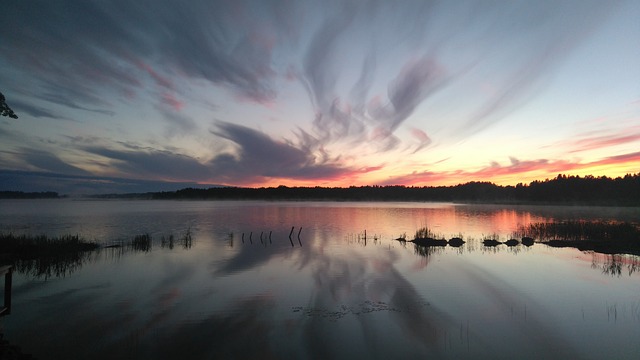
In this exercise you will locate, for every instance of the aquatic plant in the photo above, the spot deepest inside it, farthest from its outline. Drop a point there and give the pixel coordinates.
(43, 256)
(425, 237)
(424, 233)
(167, 242)
(34, 246)
(582, 230)
(141, 242)
(187, 239)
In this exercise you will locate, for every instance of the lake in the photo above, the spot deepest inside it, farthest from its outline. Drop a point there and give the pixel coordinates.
(317, 280)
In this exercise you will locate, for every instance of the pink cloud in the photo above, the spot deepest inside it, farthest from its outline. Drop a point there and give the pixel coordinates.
(171, 100)
(597, 142)
(159, 79)
(423, 139)
(516, 171)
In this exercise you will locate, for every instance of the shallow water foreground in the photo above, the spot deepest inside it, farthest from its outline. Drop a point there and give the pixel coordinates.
(245, 289)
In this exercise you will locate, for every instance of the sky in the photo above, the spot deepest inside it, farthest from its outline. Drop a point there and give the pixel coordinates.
(148, 95)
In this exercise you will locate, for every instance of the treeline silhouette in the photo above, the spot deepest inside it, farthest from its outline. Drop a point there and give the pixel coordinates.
(28, 195)
(588, 190)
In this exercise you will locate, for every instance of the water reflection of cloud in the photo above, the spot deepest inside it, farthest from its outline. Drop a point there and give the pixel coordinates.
(357, 287)
(347, 280)
(241, 333)
(535, 326)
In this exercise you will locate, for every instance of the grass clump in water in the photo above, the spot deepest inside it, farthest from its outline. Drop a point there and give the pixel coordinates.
(425, 237)
(141, 242)
(43, 256)
(601, 236)
(35, 246)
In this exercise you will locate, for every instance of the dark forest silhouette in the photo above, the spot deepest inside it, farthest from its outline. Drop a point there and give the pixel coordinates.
(28, 195)
(588, 190)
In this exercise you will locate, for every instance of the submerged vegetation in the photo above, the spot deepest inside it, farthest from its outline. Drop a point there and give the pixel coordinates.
(186, 241)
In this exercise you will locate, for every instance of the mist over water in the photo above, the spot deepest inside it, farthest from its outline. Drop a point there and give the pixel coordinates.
(246, 288)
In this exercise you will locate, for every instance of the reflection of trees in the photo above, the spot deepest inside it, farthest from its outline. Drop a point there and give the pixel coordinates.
(28, 195)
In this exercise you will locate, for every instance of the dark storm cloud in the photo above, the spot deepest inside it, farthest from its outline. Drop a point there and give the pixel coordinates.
(258, 156)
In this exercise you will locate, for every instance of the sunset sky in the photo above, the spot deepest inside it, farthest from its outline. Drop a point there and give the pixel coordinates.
(125, 96)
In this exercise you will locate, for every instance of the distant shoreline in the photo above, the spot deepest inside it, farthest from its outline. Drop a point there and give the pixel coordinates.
(562, 190)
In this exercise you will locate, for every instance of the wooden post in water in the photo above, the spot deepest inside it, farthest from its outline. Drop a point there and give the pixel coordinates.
(270, 237)
(251, 233)
(290, 233)
(299, 231)
(7, 270)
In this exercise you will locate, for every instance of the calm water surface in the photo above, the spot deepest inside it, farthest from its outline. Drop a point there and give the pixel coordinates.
(244, 289)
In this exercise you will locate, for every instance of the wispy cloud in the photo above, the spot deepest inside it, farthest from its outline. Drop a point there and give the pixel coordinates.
(152, 164)
(602, 141)
(550, 34)
(81, 49)
(47, 161)
(516, 169)
(83, 184)
(372, 70)
(35, 111)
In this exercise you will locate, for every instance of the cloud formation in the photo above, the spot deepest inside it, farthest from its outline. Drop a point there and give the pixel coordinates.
(257, 156)
(375, 81)
(518, 170)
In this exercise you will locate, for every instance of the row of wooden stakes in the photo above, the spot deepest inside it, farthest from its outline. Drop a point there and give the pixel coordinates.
(264, 238)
